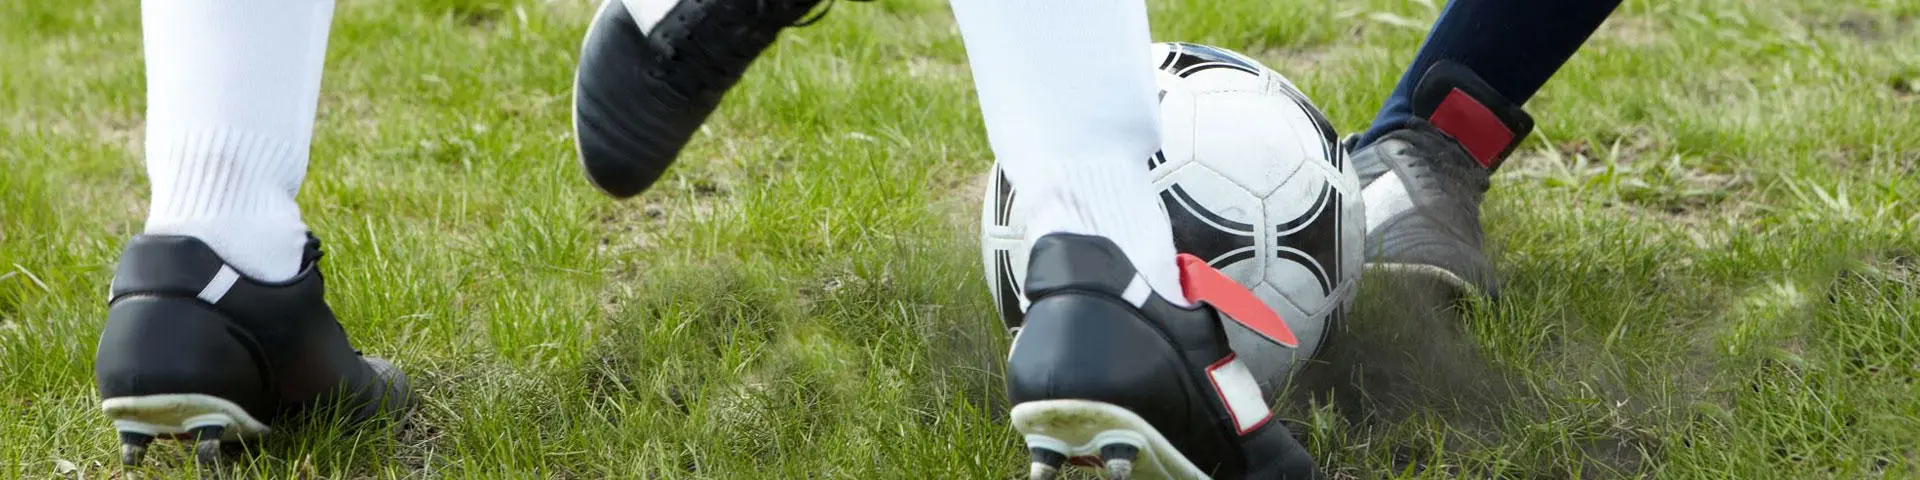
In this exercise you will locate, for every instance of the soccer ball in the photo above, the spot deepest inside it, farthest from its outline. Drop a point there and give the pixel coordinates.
(1255, 183)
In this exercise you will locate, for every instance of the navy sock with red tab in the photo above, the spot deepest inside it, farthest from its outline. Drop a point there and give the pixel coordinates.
(1516, 45)
(1459, 104)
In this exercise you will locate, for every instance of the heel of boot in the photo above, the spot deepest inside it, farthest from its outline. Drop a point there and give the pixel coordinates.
(173, 367)
(1093, 347)
(1093, 381)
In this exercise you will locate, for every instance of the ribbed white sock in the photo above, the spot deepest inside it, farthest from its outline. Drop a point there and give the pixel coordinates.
(231, 91)
(1066, 88)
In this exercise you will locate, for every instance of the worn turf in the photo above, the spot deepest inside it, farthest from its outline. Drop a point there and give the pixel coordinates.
(1710, 248)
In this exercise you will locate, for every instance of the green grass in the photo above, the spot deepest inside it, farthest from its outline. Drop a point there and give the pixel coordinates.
(1711, 249)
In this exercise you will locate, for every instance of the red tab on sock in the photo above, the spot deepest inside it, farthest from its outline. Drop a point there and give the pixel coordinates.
(1474, 126)
(1205, 284)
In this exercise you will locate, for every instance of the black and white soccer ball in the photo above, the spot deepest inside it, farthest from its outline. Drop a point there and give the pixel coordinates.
(1254, 181)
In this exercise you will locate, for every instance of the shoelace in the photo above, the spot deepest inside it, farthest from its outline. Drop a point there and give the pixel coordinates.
(718, 59)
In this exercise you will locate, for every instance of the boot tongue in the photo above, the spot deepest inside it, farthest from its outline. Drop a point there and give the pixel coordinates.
(1458, 103)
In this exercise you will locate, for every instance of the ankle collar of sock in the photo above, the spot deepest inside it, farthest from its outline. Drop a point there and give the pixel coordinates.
(1462, 106)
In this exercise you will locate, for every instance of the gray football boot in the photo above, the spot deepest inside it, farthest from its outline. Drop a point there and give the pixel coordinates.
(1423, 183)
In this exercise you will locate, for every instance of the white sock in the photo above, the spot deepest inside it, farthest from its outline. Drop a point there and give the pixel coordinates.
(231, 91)
(1066, 88)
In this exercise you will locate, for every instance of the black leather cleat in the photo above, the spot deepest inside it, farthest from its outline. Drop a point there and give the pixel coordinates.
(1423, 183)
(1106, 372)
(194, 350)
(648, 80)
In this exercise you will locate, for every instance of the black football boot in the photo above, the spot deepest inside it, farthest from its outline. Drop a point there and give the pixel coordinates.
(648, 80)
(195, 350)
(1107, 373)
(1423, 183)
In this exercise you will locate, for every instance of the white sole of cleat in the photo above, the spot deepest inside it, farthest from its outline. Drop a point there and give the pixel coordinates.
(1080, 428)
(1429, 271)
(177, 414)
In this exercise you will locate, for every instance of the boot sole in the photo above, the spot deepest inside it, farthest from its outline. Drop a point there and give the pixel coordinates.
(179, 413)
(1461, 286)
(1080, 429)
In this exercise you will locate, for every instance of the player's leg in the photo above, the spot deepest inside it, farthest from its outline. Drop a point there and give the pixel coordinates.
(216, 322)
(1454, 116)
(1110, 363)
(651, 71)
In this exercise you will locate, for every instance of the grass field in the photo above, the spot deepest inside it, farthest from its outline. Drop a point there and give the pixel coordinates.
(1711, 249)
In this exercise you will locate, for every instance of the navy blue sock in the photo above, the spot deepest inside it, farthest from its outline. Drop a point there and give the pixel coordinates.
(1514, 45)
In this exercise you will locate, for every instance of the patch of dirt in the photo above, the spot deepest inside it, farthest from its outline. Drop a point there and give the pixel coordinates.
(126, 131)
(1900, 267)
(1905, 87)
(357, 112)
(1631, 31)
(1887, 165)
(1403, 356)
(480, 17)
(921, 66)
(1648, 184)
(420, 437)
(971, 354)
(962, 200)
(576, 9)
(98, 191)
(971, 349)
(1296, 62)
(1401, 353)
(640, 222)
(1867, 27)
(647, 220)
(609, 379)
(1905, 264)
(1695, 198)
(1547, 162)
(1626, 145)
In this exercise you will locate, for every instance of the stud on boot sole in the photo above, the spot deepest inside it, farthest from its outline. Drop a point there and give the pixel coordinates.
(1097, 431)
(205, 420)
